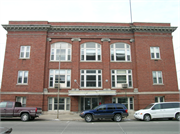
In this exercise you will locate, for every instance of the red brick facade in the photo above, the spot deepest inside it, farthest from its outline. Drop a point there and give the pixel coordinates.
(39, 35)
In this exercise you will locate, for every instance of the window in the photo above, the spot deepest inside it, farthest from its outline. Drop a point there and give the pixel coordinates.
(155, 52)
(25, 52)
(3, 104)
(119, 77)
(64, 78)
(90, 51)
(120, 52)
(60, 51)
(22, 100)
(156, 107)
(157, 77)
(91, 78)
(22, 77)
(159, 99)
(109, 107)
(127, 101)
(64, 104)
(102, 107)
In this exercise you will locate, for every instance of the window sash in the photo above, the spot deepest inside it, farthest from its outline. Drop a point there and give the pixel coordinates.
(25, 52)
(22, 77)
(155, 52)
(157, 77)
(91, 78)
(60, 51)
(65, 77)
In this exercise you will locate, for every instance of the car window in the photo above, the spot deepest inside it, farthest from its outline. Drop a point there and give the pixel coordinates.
(102, 107)
(109, 107)
(10, 105)
(167, 105)
(118, 106)
(176, 105)
(156, 107)
(3, 104)
(17, 104)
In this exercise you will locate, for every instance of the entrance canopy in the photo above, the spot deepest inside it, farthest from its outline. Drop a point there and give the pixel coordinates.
(91, 92)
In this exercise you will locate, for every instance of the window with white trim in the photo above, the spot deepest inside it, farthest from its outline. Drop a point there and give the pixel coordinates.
(64, 78)
(120, 52)
(25, 52)
(119, 77)
(155, 52)
(64, 104)
(22, 77)
(91, 78)
(159, 99)
(22, 100)
(157, 77)
(127, 101)
(90, 51)
(60, 51)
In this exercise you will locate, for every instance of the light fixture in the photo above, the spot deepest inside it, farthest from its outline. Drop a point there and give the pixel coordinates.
(106, 80)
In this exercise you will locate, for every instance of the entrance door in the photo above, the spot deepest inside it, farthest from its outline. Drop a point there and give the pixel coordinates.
(89, 102)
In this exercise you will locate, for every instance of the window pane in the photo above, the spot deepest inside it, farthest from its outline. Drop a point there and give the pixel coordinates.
(90, 54)
(119, 45)
(90, 81)
(90, 45)
(121, 79)
(120, 54)
(121, 71)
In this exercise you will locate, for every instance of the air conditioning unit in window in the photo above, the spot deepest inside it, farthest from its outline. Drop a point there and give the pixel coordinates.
(124, 85)
(56, 85)
(119, 85)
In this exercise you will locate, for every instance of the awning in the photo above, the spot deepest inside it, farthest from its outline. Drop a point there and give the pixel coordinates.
(91, 92)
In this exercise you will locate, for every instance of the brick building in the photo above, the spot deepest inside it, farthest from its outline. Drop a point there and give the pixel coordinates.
(99, 63)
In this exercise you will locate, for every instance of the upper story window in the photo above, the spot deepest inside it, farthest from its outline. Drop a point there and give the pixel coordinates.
(91, 78)
(22, 77)
(64, 78)
(155, 52)
(120, 52)
(60, 51)
(119, 77)
(25, 52)
(90, 51)
(157, 77)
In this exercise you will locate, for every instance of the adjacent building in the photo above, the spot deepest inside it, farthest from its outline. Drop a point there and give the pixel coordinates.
(95, 63)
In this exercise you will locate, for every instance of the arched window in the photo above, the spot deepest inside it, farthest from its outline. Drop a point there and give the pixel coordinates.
(120, 52)
(90, 51)
(60, 50)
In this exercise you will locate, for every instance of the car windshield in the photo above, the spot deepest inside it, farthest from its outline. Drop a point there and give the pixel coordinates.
(149, 106)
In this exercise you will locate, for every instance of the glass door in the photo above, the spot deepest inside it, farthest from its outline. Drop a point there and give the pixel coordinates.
(89, 103)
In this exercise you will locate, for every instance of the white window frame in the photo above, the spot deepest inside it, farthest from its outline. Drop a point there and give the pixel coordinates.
(84, 49)
(156, 74)
(23, 77)
(115, 100)
(25, 52)
(67, 105)
(155, 51)
(22, 100)
(127, 73)
(65, 72)
(60, 46)
(97, 74)
(159, 99)
(126, 49)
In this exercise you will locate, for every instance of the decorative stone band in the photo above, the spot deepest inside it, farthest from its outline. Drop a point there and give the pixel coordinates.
(51, 28)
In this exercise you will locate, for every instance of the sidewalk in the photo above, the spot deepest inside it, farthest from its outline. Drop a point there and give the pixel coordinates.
(71, 117)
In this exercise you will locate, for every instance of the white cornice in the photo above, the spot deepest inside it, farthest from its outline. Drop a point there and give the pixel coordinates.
(51, 28)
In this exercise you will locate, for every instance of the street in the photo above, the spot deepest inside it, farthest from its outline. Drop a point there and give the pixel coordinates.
(41, 126)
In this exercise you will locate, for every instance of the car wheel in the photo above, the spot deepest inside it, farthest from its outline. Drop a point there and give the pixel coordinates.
(25, 117)
(117, 118)
(88, 118)
(147, 117)
(178, 116)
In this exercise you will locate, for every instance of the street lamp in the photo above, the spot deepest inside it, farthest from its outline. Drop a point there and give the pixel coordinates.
(58, 84)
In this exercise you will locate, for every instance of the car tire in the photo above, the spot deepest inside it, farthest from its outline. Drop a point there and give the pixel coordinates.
(25, 117)
(147, 117)
(88, 118)
(178, 116)
(118, 118)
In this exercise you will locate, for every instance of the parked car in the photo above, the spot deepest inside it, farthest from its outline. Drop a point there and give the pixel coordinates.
(159, 110)
(14, 109)
(106, 111)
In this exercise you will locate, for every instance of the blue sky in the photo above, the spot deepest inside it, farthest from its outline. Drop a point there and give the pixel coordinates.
(164, 11)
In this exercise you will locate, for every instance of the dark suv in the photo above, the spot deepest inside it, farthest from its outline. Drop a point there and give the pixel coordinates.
(114, 111)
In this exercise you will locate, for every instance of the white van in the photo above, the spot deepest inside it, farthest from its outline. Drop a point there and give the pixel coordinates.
(159, 110)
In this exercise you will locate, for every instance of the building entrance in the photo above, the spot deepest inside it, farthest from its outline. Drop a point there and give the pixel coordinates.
(89, 102)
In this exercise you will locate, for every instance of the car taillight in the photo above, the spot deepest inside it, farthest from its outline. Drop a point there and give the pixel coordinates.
(126, 111)
(36, 110)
